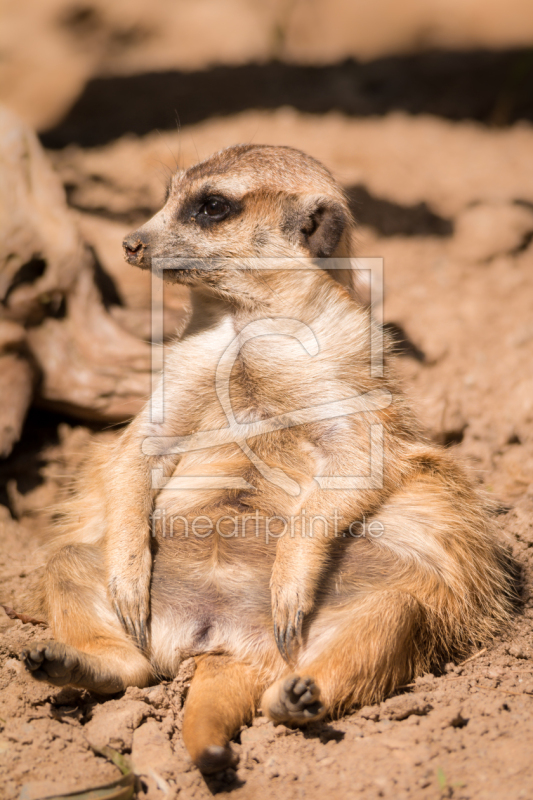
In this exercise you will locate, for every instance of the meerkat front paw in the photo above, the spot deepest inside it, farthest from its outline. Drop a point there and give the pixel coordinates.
(129, 591)
(289, 607)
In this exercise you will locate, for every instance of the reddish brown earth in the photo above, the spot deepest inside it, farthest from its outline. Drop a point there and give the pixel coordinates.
(446, 199)
(459, 282)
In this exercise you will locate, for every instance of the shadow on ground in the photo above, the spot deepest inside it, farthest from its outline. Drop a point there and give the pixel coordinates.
(492, 87)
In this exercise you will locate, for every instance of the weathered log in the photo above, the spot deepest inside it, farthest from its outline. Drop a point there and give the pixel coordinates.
(17, 379)
(59, 345)
(90, 366)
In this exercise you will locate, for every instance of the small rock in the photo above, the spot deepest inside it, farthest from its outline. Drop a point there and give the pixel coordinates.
(449, 717)
(156, 696)
(517, 651)
(403, 706)
(370, 712)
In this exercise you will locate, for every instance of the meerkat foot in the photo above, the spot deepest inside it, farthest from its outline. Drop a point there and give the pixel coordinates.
(51, 661)
(60, 664)
(293, 700)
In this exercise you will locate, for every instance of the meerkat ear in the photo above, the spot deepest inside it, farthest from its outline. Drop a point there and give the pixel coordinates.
(323, 225)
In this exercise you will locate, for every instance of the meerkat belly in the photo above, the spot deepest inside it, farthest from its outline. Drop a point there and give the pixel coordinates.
(215, 529)
(210, 589)
(213, 552)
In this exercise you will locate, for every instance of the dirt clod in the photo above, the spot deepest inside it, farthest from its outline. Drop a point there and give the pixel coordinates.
(398, 708)
(113, 723)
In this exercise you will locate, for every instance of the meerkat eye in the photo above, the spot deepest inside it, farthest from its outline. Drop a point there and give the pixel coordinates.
(216, 208)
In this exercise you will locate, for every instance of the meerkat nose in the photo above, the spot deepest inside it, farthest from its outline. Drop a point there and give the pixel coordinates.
(135, 247)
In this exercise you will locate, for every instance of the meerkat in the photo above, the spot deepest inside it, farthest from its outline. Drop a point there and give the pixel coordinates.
(239, 552)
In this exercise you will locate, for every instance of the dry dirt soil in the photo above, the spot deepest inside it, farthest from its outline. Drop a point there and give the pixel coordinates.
(449, 206)
(447, 200)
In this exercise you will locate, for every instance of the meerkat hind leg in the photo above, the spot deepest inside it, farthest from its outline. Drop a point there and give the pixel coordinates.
(92, 650)
(374, 650)
(354, 655)
(105, 672)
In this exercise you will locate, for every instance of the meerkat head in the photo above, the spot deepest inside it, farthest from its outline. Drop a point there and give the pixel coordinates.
(244, 203)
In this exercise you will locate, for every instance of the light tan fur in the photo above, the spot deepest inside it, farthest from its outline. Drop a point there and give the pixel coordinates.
(311, 623)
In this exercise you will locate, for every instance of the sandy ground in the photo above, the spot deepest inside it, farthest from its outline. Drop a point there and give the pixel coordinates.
(434, 150)
(449, 206)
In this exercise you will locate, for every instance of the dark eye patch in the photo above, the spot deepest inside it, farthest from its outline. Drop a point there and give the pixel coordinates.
(216, 208)
(207, 208)
(213, 208)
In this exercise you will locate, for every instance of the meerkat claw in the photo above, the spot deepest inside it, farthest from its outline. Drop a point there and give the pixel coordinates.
(280, 641)
(289, 636)
(143, 639)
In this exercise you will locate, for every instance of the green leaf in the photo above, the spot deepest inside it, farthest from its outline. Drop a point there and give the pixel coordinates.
(123, 789)
(441, 779)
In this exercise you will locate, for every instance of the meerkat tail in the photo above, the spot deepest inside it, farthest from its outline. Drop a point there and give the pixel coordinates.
(221, 699)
